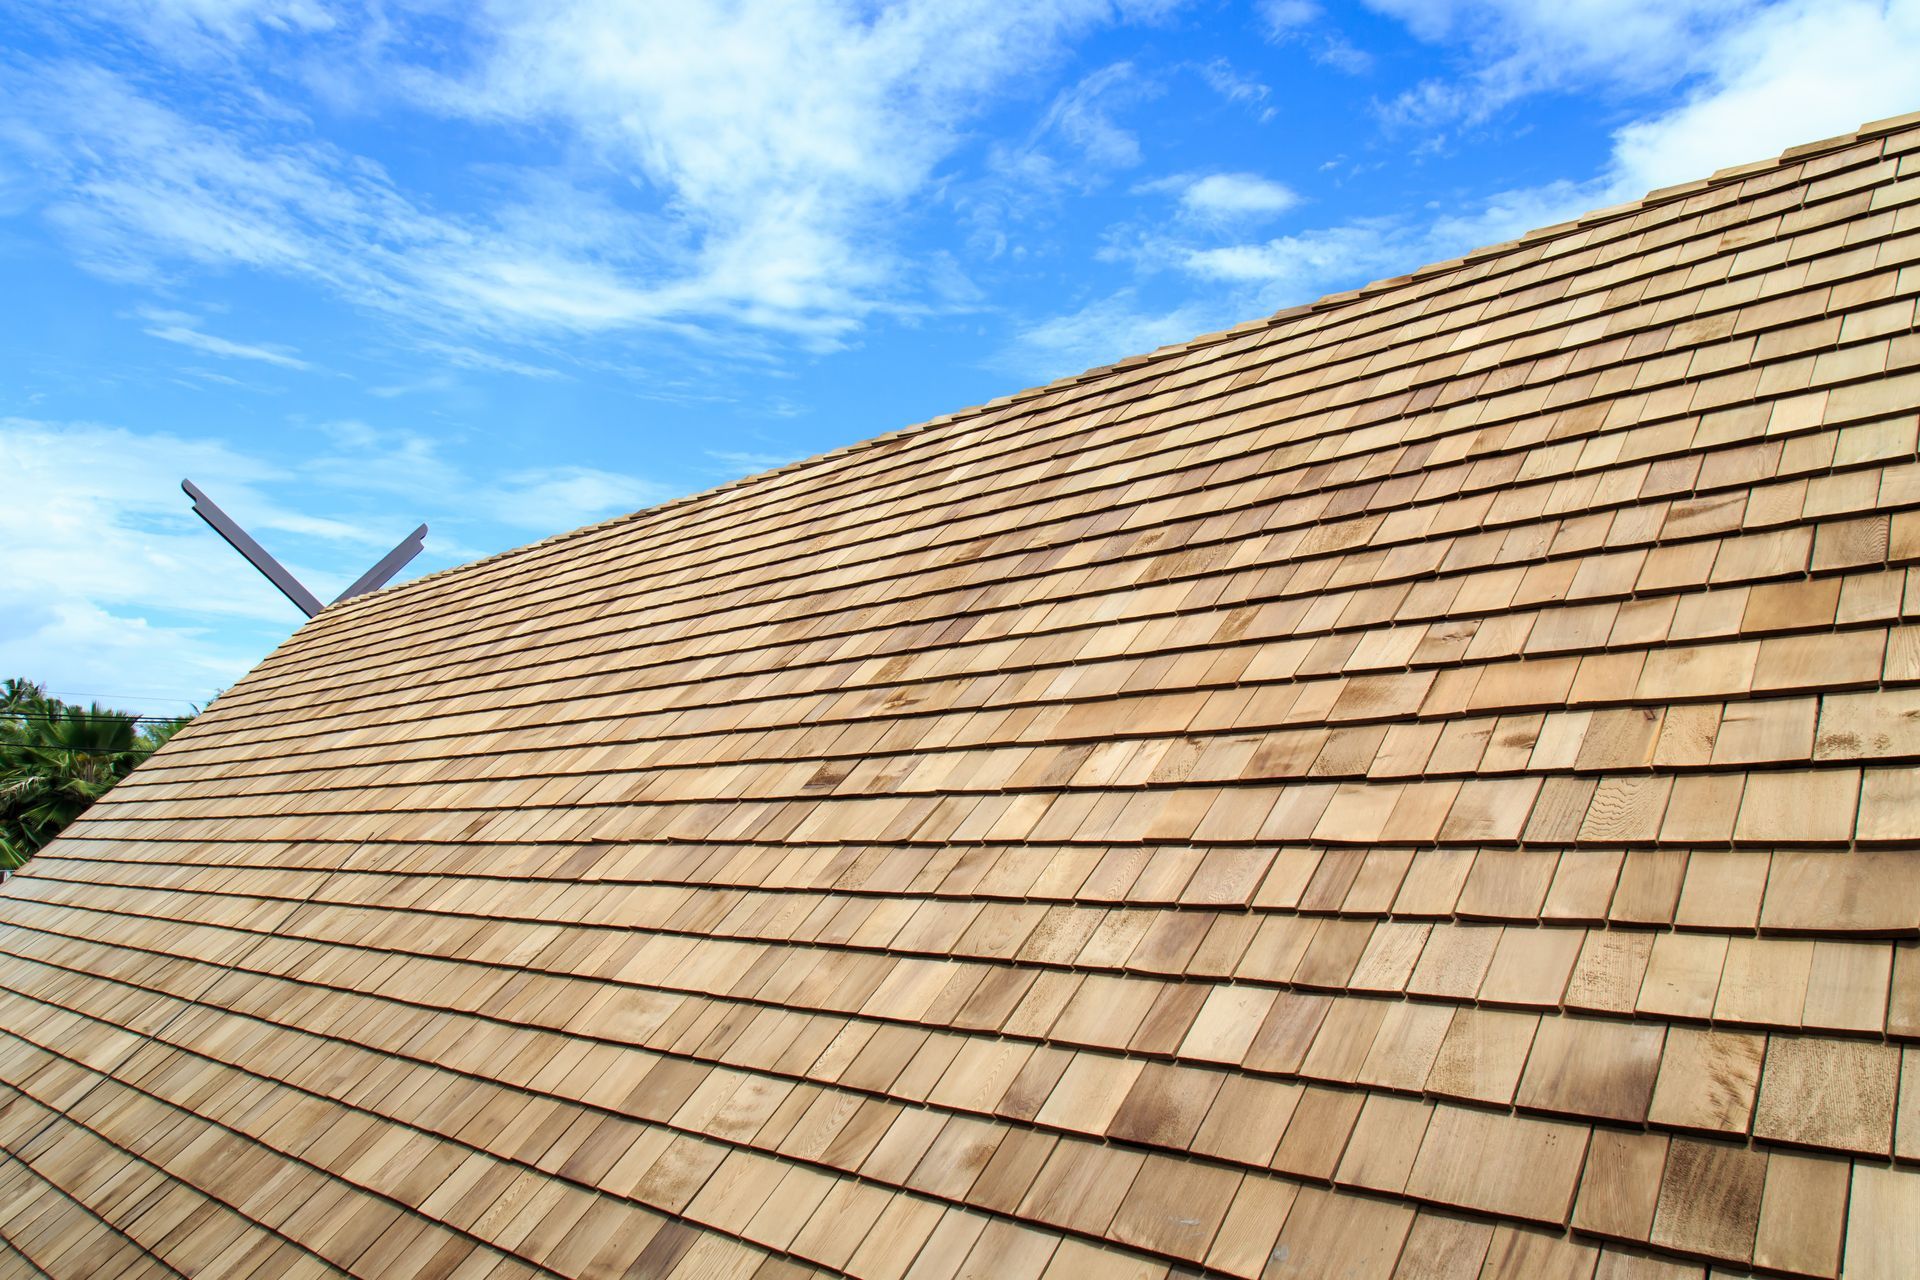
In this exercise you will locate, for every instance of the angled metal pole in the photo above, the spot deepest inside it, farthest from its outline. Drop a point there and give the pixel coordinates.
(256, 555)
(390, 564)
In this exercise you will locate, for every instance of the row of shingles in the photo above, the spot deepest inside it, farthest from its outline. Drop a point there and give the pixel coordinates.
(1736, 499)
(1477, 810)
(1790, 983)
(1700, 890)
(1067, 1187)
(1329, 1117)
(1709, 733)
(715, 1201)
(1826, 984)
(1775, 982)
(1697, 736)
(1765, 983)
(1740, 653)
(386, 1160)
(1839, 985)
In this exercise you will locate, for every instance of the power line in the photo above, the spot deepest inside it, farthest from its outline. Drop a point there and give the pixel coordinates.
(53, 717)
(120, 697)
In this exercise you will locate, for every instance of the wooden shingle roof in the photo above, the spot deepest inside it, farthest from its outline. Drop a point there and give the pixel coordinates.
(1421, 786)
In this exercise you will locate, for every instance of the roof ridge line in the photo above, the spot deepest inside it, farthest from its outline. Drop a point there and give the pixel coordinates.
(1328, 302)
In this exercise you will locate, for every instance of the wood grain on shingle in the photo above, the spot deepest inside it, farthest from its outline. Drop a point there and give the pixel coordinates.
(1421, 785)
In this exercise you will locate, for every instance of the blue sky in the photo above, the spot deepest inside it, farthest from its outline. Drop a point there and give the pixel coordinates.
(512, 268)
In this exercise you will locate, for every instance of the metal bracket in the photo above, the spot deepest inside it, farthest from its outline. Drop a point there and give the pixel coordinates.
(276, 573)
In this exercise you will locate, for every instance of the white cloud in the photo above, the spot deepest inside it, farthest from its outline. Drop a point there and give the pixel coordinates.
(1783, 74)
(1299, 22)
(781, 134)
(178, 327)
(1797, 73)
(1291, 266)
(1283, 17)
(84, 653)
(1226, 197)
(1344, 56)
(414, 386)
(362, 458)
(1075, 147)
(229, 20)
(1755, 76)
(549, 500)
(1235, 280)
(1099, 333)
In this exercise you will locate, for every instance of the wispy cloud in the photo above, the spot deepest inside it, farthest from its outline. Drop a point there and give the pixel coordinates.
(1512, 48)
(1076, 147)
(548, 500)
(1283, 17)
(178, 327)
(706, 173)
(422, 470)
(746, 462)
(1086, 115)
(1303, 23)
(1099, 332)
(1230, 84)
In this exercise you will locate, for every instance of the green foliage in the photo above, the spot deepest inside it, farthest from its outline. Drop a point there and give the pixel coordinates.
(57, 758)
